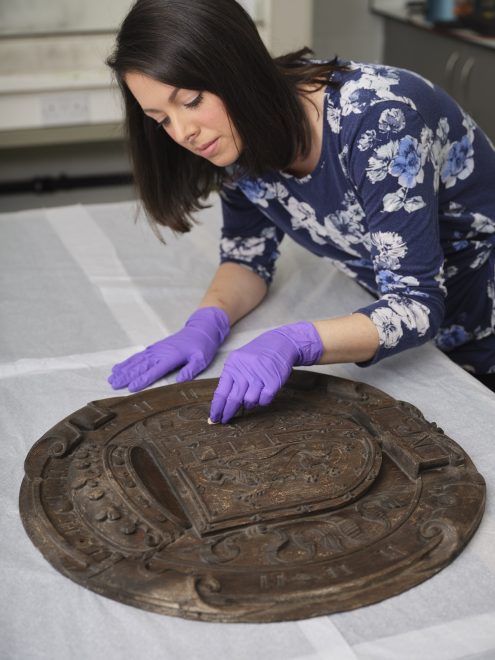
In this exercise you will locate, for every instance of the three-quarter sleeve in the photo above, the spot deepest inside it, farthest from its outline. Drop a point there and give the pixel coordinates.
(394, 165)
(249, 237)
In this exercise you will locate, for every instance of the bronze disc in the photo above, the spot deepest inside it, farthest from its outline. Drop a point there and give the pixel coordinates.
(334, 496)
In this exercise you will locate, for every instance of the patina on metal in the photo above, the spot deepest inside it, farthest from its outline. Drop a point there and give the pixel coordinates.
(334, 497)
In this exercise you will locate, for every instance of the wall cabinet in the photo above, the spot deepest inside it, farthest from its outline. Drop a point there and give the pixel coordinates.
(463, 69)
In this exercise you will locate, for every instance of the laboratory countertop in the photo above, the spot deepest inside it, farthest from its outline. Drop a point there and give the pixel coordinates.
(400, 12)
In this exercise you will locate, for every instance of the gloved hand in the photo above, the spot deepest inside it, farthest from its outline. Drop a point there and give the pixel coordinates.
(194, 346)
(254, 373)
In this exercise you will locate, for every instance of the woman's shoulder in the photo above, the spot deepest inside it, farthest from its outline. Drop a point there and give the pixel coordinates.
(364, 84)
(366, 90)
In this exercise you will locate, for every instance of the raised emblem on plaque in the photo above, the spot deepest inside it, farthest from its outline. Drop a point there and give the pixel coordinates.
(335, 496)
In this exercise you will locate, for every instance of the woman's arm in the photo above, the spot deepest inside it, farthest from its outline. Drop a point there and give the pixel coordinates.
(254, 373)
(236, 289)
(352, 338)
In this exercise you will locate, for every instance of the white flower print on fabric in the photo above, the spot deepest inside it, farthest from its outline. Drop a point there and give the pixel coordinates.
(388, 325)
(443, 130)
(455, 210)
(414, 204)
(391, 120)
(413, 314)
(261, 271)
(389, 281)
(397, 200)
(299, 180)
(407, 165)
(366, 140)
(440, 144)
(345, 227)
(426, 148)
(260, 192)
(482, 224)
(303, 216)
(454, 160)
(459, 162)
(343, 157)
(391, 249)
(491, 295)
(481, 333)
(379, 163)
(246, 249)
(440, 278)
(403, 159)
(401, 311)
(450, 272)
(438, 149)
(426, 140)
(333, 117)
(480, 259)
(278, 190)
(372, 87)
(469, 124)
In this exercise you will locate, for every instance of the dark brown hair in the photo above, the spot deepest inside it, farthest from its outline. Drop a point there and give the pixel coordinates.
(214, 46)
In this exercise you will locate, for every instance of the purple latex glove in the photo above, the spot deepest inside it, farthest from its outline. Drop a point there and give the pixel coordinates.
(254, 373)
(194, 346)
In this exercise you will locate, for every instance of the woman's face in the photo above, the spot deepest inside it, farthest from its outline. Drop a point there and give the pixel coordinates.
(196, 120)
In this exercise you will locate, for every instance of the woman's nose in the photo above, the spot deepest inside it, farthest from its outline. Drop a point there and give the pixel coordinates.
(185, 132)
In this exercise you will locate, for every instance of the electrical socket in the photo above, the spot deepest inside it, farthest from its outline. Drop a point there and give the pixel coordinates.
(65, 108)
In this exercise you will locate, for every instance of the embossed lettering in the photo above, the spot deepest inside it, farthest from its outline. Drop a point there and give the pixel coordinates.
(142, 406)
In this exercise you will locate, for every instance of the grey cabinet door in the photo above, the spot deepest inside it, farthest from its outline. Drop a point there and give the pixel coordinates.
(434, 56)
(477, 87)
(464, 70)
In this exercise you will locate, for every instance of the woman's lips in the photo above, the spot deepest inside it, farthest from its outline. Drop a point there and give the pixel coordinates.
(208, 149)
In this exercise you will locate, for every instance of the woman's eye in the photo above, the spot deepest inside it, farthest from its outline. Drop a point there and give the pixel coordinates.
(192, 104)
(195, 102)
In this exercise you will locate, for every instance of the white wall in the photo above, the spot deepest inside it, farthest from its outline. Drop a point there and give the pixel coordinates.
(348, 29)
(284, 25)
(52, 16)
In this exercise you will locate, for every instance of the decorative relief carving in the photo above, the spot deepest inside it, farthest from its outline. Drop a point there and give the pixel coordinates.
(333, 497)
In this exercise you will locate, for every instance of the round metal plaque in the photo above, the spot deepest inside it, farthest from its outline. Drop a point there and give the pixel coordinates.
(333, 497)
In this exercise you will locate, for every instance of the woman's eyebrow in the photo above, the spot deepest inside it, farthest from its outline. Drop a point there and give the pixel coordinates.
(171, 99)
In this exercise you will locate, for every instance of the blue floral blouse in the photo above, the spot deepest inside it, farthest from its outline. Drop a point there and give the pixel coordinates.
(402, 199)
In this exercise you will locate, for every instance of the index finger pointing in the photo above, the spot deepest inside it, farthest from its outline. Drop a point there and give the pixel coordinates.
(220, 397)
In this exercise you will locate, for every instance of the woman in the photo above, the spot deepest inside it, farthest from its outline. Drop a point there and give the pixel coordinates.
(369, 166)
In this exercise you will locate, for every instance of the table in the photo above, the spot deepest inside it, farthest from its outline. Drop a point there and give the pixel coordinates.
(84, 287)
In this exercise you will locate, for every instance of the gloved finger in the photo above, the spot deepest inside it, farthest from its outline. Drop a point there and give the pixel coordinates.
(123, 377)
(129, 362)
(195, 366)
(268, 394)
(235, 398)
(252, 396)
(126, 376)
(220, 396)
(117, 382)
(168, 360)
(153, 373)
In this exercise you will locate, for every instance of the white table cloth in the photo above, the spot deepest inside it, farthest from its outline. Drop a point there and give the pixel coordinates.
(83, 287)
